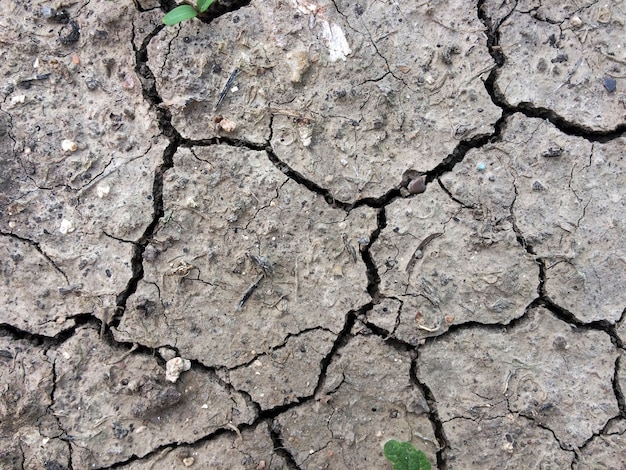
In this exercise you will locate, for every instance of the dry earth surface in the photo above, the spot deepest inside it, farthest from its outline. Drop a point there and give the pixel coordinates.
(277, 236)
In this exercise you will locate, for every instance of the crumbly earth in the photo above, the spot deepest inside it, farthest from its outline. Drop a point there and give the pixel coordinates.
(349, 221)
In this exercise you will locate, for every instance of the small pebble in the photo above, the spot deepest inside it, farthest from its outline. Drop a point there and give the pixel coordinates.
(576, 22)
(167, 353)
(174, 367)
(417, 186)
(18, 99)
(68, 146)
(364, 240)
(481, 167)
(67, 226)
(610, 84)
(103, 190)
(537, 186)
(227, 125)
(48, 12)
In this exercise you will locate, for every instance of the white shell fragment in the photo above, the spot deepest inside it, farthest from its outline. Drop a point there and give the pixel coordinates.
(336, 41)
(174, 367)
(67, 226)
(68, 145)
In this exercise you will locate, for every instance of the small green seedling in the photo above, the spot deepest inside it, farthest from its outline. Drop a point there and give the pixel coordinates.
(404, 456)
(186, 12)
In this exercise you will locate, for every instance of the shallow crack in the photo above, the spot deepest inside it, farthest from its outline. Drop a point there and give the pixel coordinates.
(63, 436)
(37, 247)
(278, 347)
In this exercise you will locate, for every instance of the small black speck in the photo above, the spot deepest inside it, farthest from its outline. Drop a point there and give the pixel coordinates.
(537, 186)
(235, 19)
(186, 39)
(108, 272)
(560, 58)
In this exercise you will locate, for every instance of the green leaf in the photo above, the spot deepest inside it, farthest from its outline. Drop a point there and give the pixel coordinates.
(403, 456)
(203, 5)
(180, 13)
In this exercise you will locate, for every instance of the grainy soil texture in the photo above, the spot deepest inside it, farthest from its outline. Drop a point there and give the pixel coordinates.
(282, 233)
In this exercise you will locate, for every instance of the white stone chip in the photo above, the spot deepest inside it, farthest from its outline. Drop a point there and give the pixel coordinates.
(67, 226)
(336, 41)
(174, 367)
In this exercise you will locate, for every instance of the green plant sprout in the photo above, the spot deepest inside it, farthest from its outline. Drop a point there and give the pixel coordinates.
(186, 12)
(404, 456)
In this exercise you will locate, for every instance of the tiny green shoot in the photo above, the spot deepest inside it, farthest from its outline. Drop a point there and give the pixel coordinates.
(404, 456)
(186, 12)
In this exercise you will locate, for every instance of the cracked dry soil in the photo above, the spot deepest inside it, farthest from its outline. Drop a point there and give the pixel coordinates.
(402, 220)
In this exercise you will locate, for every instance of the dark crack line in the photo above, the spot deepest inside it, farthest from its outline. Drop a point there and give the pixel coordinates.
(164, 118)
(279, 447)
(433, 416)
(568, 317)
(53, 391)
(279, 346)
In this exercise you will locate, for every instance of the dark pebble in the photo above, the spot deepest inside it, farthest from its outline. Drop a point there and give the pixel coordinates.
(610, 84)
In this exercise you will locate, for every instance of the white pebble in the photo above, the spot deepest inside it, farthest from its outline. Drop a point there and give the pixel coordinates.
(167, 353)
(576, 22)
(227, 125)
(67, 226)
(18, 99)
(103, 190)
(174, 367)
(69, 146)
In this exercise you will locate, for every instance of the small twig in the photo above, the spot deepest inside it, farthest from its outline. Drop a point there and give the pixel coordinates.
(419, 251)
(125, 355)
(432, 330)
(249, 292)
(236, 429)
(229, 82)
